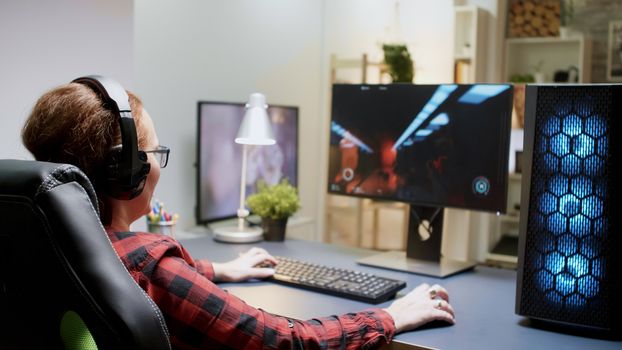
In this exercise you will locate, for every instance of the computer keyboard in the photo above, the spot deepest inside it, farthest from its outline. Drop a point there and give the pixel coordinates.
(345, 283)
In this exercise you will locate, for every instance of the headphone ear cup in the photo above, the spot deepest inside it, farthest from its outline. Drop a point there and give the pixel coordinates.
(124, 184)
(111, 179)
(111, 165)
(141, 176)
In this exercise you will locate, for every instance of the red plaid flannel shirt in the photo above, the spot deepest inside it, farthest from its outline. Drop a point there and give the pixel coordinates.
(200, 315)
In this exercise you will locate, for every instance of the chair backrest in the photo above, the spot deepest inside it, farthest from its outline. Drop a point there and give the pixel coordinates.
(57, 266)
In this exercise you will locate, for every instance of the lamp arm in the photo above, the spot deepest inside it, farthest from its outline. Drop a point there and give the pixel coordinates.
(242, 212)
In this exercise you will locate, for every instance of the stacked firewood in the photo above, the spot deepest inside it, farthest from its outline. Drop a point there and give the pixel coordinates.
(529, 18)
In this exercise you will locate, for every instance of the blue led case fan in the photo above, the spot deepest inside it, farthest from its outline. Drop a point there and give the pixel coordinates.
(567, 268)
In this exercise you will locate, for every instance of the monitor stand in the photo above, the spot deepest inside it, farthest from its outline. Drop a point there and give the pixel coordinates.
(423, 250)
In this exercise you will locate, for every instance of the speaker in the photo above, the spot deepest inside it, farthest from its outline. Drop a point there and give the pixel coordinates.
(569, 265)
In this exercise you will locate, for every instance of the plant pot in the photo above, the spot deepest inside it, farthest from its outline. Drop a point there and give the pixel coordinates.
(539, 77)
(274, 229)
(569, 32)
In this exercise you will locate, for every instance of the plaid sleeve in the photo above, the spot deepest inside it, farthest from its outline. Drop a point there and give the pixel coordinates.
(200, 315)
(205, 268)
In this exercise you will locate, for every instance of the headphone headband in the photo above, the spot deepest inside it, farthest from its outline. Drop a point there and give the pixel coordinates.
(109, 90)
(126, 169)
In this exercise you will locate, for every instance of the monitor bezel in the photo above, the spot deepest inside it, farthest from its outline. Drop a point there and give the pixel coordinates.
(197, 164)
(505, 155)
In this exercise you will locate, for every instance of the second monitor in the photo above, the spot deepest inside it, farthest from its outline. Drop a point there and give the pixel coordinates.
(219, 158)
(432, 146)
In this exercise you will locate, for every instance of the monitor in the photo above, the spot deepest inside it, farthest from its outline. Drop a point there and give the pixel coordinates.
(432, 146)
(219, 158)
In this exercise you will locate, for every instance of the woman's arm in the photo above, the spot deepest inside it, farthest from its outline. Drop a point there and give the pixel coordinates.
(199, 314)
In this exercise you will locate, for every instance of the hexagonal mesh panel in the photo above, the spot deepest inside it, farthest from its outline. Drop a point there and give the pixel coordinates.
(564, 265)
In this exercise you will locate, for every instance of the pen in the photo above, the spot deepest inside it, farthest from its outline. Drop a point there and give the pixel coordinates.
(158, 214)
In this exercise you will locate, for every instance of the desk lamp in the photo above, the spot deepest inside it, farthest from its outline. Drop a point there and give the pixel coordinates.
(254, 130)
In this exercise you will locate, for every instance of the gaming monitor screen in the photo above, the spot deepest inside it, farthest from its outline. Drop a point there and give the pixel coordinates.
(429, 145)
(220, 158)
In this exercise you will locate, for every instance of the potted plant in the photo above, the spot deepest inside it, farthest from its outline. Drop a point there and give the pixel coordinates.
(274, 204)
(566, 16)
(399, 62)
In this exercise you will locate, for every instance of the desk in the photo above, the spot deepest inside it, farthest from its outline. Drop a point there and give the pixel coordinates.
(483, 300)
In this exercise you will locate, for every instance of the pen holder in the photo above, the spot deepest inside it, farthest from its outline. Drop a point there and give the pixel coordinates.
(163, 227)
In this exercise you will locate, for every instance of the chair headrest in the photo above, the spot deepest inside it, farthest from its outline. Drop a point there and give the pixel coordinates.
(30, 178)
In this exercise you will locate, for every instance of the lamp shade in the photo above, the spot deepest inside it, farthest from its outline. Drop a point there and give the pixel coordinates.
(255, 128)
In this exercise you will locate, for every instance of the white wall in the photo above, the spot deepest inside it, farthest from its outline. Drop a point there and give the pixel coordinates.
(47, 43)
(216, 50)
(175, 53)
(222, 51)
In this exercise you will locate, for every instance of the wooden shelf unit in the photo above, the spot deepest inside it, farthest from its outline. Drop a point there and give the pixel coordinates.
(469, 44)
(523, 55)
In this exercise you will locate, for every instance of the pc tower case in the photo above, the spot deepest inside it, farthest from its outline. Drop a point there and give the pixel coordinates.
(569, 265)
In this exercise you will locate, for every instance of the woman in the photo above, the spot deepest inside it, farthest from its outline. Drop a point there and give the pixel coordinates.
(70, 124)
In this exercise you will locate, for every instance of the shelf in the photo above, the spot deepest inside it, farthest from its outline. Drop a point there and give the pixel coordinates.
(549, 55)
(544, 40)
(501, 260)
(505, 227)
(467, 58)
(363, 64)
(505, 252)
(469, 44)
(513, 219)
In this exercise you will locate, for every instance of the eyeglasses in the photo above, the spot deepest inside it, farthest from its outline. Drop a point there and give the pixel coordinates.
(161, 155)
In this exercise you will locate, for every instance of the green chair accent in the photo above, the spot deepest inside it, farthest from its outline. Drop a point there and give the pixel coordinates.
(75, 334)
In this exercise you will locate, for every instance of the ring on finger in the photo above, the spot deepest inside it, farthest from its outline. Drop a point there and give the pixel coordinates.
(432, 292)
(440, 304)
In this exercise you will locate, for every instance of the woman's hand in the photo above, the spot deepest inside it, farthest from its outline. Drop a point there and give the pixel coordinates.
(243, 268)
(422, 305)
